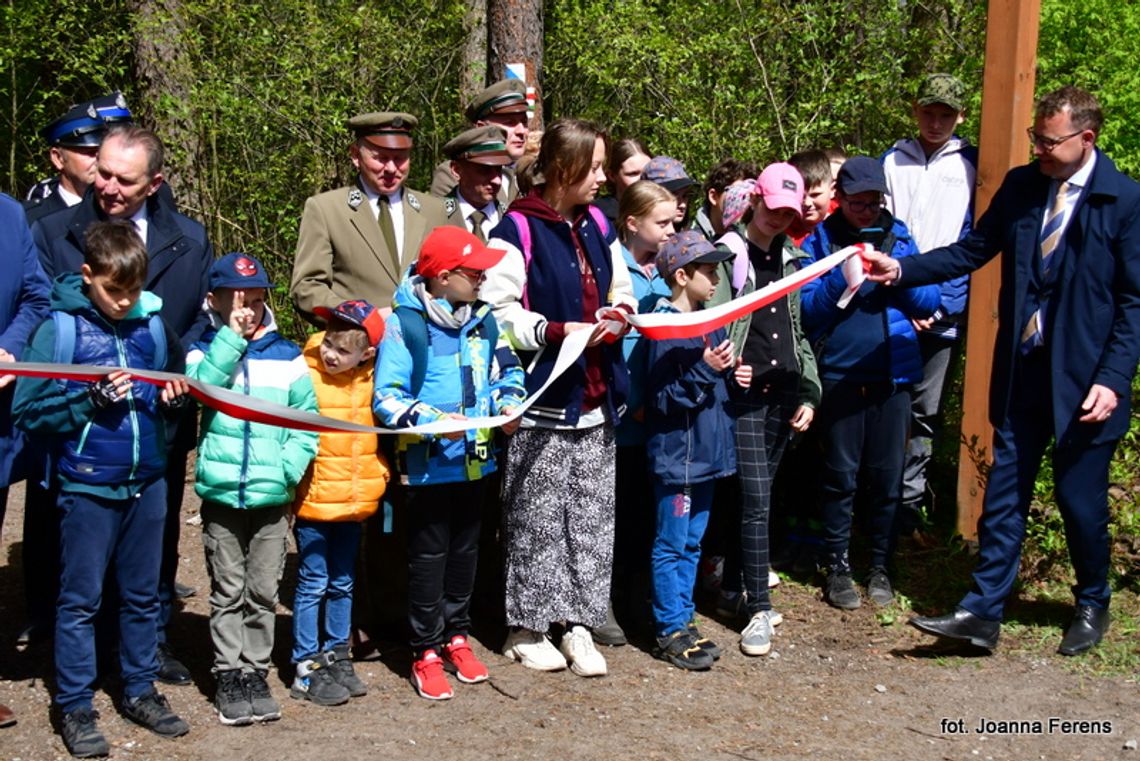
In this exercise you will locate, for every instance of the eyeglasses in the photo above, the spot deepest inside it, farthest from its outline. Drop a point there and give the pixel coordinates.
(863, 206)
(473, 276)
(1047, 144)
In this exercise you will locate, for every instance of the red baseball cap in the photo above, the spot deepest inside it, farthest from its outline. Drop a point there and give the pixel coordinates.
(449, 248)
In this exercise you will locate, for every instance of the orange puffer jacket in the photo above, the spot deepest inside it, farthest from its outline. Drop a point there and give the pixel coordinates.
(349, 474)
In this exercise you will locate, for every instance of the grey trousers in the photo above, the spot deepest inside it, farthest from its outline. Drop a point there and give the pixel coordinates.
(245, 554)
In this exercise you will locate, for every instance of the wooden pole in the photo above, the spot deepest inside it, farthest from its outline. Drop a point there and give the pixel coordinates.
(1007, 109)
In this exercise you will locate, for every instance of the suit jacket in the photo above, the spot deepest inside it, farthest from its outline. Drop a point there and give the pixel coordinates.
(341, 252)
(443, 183)
(1092, 320)
(40, 206)
(180, 257)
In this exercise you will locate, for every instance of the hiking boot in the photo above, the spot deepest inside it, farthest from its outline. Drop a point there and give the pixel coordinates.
(261, 701)
(428, 677)
(153, 712)
(840, 590)
(81, 735)
(578, 647)
(879, 586)
(680, 649)
(610, 633)
(756, 639)
(468, 668)
(314, 682)
(703, 642)
(231, 700)
(533, 650)
(345, 674)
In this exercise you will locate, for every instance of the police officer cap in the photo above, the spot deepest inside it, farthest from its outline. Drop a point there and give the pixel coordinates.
(506, 97)
(480, 145)
(113, 108)
(84, 123)
(385, 129)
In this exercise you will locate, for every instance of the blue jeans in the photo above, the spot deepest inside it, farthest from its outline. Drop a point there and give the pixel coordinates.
(326, 569)
(682, 515)
(94, 533)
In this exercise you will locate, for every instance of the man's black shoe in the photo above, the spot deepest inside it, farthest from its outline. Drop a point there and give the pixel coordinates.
(153, 712)
(81, 736)
(961, 624)
(170, 669)
(1087, 629)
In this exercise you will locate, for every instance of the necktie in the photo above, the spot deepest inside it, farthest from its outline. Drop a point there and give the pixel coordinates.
(1050, 239)
(477, 218)
(387, 229)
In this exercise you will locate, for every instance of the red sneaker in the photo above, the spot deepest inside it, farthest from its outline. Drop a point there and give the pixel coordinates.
(428, 677)
(467, 667)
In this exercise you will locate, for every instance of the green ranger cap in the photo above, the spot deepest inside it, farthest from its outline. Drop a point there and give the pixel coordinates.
(506, 97)
(479, 145)
(385, 129)
(942, 88)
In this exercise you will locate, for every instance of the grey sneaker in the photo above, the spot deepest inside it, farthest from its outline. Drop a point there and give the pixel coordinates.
(231, 699)
(879, 586)
(264, 707)
(344, 673)
(756, 639)
(81, 735)
(840, 590)
(153, 712)
(314, 682)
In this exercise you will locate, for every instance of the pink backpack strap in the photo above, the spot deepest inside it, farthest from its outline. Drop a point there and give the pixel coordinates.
(599, 219)
(736, 244)
(524, 241)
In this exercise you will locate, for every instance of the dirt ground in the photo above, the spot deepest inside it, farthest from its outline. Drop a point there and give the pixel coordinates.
(836, 685)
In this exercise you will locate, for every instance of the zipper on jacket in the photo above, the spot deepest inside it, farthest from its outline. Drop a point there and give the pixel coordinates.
(246, 434)
(132, 412)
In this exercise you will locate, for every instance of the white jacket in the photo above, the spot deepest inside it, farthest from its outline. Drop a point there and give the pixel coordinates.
(934, 197)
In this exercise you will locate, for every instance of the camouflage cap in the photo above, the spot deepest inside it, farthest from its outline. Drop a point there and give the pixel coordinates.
(385, 129)
(479, 145)
(505, 97)
(942, 88)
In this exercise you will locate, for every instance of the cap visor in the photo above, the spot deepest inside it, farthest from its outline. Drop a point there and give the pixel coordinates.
(715, 256)
(394, 142)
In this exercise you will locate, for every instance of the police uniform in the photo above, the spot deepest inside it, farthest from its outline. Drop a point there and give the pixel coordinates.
(504, 97)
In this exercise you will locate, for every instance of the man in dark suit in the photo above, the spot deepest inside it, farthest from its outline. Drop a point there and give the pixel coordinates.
(128, 180)
(1068, 226)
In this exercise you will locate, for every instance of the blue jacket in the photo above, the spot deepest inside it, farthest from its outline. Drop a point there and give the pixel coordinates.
(113, 451)
(1093, 320)
(180, 257)
(688, 416)
(872, 340)
(648, 291)
(458, 379)
(23, 306)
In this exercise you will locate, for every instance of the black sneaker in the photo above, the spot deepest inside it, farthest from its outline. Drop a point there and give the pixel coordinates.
(680, 649)
(81, 736)
(840, 590)
(879, 586)
(170, 669)
(153, 712)
(261, 701)
(314, 682)
(703, 642)
(231, 699)
(344, 674)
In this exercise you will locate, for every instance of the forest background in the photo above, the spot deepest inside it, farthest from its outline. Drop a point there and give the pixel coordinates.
(251, 99)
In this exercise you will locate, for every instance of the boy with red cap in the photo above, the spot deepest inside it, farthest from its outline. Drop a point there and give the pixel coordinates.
(341, 490)
(443, 356)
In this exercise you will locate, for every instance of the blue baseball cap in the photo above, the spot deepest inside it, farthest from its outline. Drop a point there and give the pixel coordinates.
(860, 174)
(238, 270)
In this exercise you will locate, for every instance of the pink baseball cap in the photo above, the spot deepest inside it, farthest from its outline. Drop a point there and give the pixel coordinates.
(782, 187)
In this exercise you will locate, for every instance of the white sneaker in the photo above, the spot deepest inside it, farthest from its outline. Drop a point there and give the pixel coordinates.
(533, 650)
(578, 647)
(773, 579)
(775, 618)
(756, 639)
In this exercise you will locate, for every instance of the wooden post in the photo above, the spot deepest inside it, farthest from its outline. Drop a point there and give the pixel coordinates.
(1007, 109)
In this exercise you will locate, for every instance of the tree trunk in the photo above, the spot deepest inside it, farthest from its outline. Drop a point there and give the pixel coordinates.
(165, 75)
(516, 33)
(474, 51)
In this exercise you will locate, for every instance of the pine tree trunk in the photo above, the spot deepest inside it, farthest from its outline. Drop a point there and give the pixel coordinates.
(516, 36)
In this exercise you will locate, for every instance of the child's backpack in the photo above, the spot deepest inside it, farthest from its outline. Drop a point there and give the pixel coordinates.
(413, 324)
(64, 351)
(735, 243)
(527, 246)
